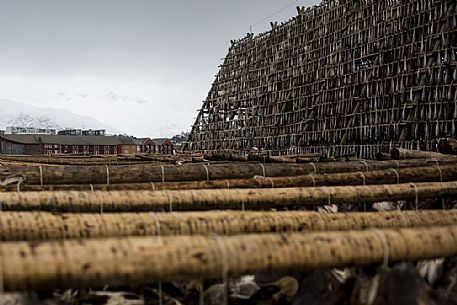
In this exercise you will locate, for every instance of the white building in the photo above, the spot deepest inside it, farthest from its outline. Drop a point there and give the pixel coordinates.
(29, 130)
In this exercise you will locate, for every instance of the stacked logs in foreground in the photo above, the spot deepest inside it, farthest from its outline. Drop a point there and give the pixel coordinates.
(433, 173)
(199, 172)
(132, 238)
(141, 260)
(36, 226)
(199, 200)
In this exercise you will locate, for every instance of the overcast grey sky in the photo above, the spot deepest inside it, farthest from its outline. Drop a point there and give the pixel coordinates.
(165, 53)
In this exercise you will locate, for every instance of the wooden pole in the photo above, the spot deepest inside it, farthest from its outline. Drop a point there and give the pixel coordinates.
(192, 172)
(310, 157)
(30, 226)
(389, 176)
(97, 159)
(188, 200)
(403, 154)
(144, 260)
(81, 161)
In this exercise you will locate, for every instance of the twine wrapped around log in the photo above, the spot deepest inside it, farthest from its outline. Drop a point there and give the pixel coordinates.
(47, 226)
(389, 176)
(188, 200)
(193, 172)
(143, 260)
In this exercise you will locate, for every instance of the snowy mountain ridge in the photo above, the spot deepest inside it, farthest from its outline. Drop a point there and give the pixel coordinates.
(139, 116)
(19, 114)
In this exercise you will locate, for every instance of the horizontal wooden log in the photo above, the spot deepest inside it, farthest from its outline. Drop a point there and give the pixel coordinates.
(82, 163)
(226, 157)
(144, 260)
(389, 176)
(311, 157)
(285, 159)
(90, 160)
(404, 154)
(188, 200)
(15, 226)
(191, 172)
(305, 158)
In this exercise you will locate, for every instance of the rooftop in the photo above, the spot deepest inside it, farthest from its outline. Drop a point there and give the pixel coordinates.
(68, 140)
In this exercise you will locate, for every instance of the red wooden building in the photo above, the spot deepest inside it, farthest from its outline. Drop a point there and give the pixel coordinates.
(58, 144)
(157, 146)
(145, 145)
(164, 146)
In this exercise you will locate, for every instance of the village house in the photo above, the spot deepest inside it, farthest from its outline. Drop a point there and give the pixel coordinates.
(157, 146)
(127, 145)
(143, 145)
(163, 146)
(65, 144)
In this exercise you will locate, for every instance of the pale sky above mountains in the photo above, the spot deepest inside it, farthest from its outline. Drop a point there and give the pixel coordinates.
(154, 61)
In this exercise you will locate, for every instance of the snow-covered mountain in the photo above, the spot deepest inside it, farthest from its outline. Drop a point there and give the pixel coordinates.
(15, 113)
(140, 116)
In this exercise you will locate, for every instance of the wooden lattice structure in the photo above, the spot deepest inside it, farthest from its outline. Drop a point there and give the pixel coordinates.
(347, 76)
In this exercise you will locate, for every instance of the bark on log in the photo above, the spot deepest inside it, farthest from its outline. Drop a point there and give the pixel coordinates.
(226, 157)
(303, 158)
(389, 176)
(263, 158)
(403, 154)
(34, 226)
(192, 172)
(144, 260)
(194, 200)
(285, 159)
